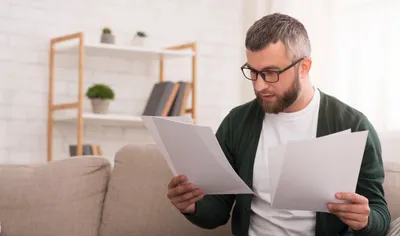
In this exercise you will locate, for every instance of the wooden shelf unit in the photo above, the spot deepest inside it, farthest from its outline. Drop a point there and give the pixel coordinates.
(82, 48)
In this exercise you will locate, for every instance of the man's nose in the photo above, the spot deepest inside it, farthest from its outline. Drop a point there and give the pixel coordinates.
(260, 84)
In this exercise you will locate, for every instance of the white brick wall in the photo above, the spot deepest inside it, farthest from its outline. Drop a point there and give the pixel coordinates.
(26, 27)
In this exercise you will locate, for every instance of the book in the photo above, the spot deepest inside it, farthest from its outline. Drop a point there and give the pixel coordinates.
(161, 98)
(178, 107)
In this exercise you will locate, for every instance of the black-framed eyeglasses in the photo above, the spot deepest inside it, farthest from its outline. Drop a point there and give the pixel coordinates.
(270, 76)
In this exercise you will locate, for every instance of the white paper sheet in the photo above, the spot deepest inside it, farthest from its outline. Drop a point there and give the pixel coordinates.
(148, 121)
(306, 174)
(194, 151)
(276, 156)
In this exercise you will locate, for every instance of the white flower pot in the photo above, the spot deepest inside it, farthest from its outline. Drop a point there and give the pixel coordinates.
(100, 106)
(138, 41)
(107, 38)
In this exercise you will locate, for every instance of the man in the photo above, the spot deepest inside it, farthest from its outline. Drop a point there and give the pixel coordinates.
(287, 107)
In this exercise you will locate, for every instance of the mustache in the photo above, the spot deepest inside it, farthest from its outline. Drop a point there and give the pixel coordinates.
(263, 92)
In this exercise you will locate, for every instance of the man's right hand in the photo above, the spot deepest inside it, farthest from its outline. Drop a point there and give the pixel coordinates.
(183, 195)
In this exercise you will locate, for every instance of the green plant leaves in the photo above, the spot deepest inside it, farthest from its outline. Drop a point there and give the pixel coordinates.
(101, 91)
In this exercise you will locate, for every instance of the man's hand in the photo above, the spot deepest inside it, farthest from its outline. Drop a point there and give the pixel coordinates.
(355, 213)
(183, 195)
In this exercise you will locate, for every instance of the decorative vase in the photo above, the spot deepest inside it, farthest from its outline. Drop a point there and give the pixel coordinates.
(108, 38)
(138, 41)
(100, 106)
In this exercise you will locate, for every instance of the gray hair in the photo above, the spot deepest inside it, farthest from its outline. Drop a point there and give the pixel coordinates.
(279, 27)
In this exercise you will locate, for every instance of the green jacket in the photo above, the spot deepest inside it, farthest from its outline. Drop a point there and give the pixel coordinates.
(238, 137)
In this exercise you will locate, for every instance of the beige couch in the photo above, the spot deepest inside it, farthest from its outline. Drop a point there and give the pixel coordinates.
(86, 197)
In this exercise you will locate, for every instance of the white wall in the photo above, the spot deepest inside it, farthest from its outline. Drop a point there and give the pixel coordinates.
(27, 26)
(252, 11)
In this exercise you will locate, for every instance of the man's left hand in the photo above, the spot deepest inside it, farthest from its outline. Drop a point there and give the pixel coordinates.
(355, 213)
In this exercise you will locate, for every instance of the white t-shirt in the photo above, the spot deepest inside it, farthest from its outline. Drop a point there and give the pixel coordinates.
(278, 129)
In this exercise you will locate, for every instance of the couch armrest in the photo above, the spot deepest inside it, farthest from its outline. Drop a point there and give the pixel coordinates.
(394, 228)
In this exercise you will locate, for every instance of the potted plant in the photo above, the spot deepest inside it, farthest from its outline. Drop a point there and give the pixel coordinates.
(100, 96)
(107, 36)
(138, 39)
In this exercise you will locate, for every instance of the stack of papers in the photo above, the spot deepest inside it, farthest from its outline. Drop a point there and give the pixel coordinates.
(306, 174)
(195, 152)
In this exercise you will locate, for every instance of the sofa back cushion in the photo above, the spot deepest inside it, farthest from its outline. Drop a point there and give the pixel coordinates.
(392, 187)
(136, 202)
(60, 198)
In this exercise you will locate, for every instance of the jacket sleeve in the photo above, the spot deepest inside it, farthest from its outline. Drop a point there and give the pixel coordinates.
(214, 210)
(370, 184)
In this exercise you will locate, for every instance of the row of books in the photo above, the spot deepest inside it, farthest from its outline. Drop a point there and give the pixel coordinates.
(87, 150)
(168, 99)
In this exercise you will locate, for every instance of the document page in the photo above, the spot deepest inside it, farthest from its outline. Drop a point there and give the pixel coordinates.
(148, 121)
(194, 151)
(306, 174)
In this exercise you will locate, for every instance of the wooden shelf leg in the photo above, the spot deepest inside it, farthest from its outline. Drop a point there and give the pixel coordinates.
(161, 68)
(79, 150)
(50, 122)
(194, 78)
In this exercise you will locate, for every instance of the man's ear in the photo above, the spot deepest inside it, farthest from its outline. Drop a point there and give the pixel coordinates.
(305, 66)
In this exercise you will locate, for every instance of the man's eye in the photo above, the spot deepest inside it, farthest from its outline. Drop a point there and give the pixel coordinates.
(269, 73)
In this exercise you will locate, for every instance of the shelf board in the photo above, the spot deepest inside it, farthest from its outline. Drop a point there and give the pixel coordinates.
(102, 49)
(100, 119)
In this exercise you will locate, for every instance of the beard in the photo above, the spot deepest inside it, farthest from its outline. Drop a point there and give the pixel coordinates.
(282, 102)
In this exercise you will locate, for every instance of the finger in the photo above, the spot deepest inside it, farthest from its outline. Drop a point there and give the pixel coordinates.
(351, 208)
(180, 190)
(183, 205)
(353, 197)
(176, 181)
(186, 196)
(197, 198)
(350, 216)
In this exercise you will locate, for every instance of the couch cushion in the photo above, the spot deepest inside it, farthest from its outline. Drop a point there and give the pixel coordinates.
(136, 202)
(392, 187)
(58, 198)
(394, 229)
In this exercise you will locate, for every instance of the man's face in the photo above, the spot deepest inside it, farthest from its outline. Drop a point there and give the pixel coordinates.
(274, 97)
